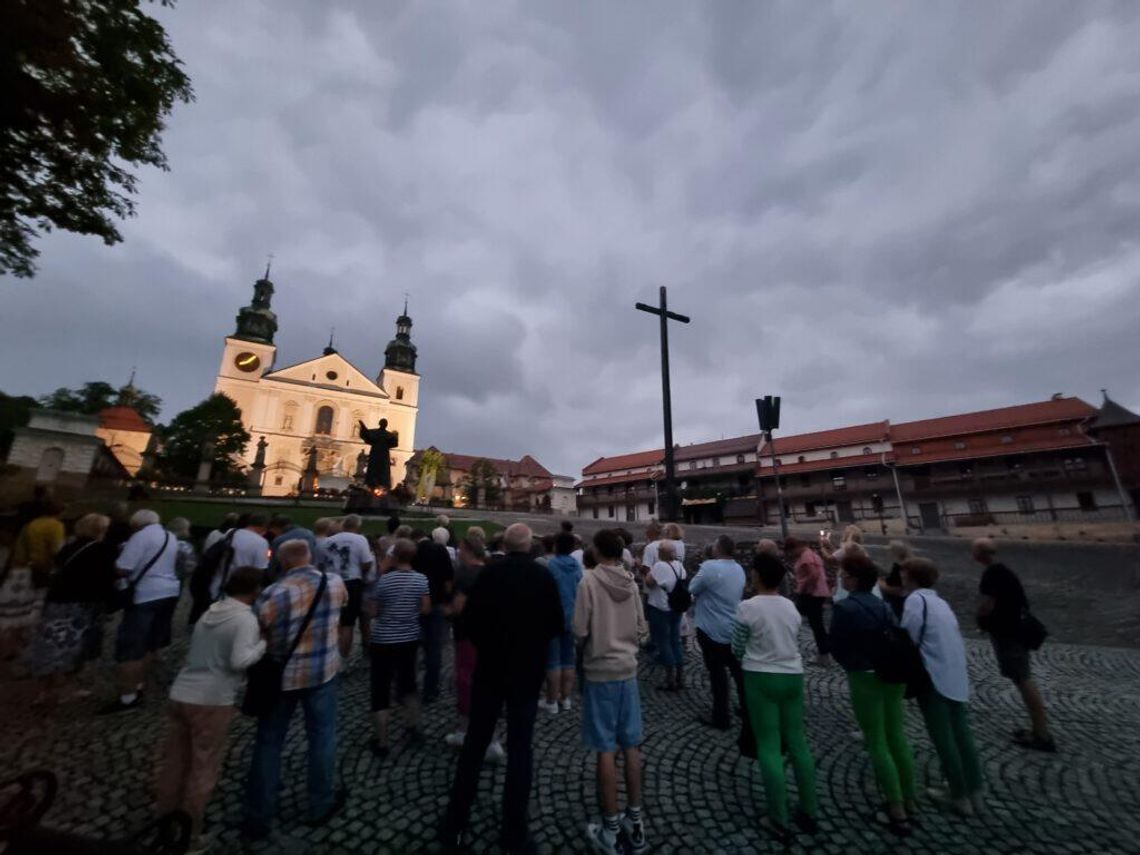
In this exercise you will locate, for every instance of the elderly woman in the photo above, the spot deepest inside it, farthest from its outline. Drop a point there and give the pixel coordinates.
(69, 633)
(892, 588)
(664, 622)
(932, 626)
(30, 565)
(857, 625)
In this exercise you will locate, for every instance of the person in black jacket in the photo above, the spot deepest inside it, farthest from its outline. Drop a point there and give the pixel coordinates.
(1001, 602)
(434, 561)
(512, 612)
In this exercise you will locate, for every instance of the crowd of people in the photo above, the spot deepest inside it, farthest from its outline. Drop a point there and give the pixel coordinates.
(277, 607)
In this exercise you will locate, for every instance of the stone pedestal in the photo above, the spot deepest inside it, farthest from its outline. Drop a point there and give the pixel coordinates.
(363, 501)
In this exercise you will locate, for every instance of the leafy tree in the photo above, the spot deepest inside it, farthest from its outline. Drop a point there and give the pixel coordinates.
(482, 475)
(216, 419)
(432, 463)
(87, 87)
(93, 398)
(14, 413)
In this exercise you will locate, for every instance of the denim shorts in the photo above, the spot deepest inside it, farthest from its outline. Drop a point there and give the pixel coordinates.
(611, 715)
(145, 628)
(562, 654)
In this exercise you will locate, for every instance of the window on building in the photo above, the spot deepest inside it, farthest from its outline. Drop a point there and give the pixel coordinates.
(610, 509)
(1025, 504)
(595, 512)
(809, 508)
(801, 459)
(1007, 439)
(779, 461)
(331, 375)
(1086, 501)
(740, 458)
(805, 480)
(834, 455)
(652, 507)
(871, 473)
(977, 506)
(1075, 464)
(866, 449)
(839, 482)
(960, 445)
(915, 449)
(324, 424)
(279, 480)
(399, 393)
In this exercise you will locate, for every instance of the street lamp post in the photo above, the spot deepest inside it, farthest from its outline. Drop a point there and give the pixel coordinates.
(768, 412)
(668, 509)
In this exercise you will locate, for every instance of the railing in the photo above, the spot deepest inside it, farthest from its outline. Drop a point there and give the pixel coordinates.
(1103, 513)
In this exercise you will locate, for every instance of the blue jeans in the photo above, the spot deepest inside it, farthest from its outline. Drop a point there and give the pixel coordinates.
(665, 630)
(611, 715)
(319, 704)
(434, 625)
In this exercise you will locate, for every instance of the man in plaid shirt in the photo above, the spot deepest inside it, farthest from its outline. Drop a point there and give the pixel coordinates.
(307, 680)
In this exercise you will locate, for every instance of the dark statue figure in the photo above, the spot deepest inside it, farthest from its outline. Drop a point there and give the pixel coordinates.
(382, 440)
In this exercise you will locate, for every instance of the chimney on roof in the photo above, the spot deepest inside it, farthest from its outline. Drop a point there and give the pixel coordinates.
(1058, 396)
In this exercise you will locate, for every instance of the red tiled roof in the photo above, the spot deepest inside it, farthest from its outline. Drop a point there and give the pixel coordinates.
(527, 466)
(123, 418)
(1023, 415)
(835, 438)
(637, 460)
(815, 465)
(1019, 446)
(734, 445)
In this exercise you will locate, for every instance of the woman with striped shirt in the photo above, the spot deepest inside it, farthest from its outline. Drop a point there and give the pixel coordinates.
(398, 599)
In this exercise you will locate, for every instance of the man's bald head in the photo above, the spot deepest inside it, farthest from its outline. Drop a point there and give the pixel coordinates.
(517, 538)
(294, 553)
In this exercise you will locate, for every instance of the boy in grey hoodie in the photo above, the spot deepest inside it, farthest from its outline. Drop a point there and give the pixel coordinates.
(608, 618)
(226, 641)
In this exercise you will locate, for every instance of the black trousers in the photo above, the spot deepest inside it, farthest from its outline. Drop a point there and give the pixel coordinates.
(812, 609)
(489, 693)
(720, 663)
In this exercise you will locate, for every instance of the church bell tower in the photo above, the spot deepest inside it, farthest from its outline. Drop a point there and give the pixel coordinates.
(249, 352)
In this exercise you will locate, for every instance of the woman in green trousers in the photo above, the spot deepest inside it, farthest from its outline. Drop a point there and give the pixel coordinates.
(764, 638)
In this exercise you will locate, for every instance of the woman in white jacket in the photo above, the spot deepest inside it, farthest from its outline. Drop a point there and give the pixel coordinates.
(226, 641)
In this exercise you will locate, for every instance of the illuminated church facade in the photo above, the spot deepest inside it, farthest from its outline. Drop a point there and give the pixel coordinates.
(317, 403)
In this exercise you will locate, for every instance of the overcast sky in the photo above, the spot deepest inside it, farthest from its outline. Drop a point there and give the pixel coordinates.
(875, 210)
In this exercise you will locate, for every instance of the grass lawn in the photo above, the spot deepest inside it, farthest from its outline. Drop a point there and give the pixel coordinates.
(205, 515)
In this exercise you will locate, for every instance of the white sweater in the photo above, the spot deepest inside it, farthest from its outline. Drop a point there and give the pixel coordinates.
(226, 641)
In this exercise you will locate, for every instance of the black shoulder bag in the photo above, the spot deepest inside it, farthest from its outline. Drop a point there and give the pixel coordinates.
(895, 656)
(263, 679)
(123, 597)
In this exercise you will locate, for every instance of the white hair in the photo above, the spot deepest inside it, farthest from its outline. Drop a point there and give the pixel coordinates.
(517, 538)
(441, 535)
(143, 518)
(294, 553)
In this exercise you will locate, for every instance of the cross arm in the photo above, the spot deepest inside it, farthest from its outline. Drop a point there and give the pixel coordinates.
(653, 310)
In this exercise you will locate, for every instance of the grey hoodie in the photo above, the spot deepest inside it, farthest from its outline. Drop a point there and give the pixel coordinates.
(608, 616)
(226, 641)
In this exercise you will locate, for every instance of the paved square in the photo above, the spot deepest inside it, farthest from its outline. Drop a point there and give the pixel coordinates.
(700, 795)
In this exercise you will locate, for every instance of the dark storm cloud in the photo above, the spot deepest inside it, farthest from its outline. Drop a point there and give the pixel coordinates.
(875, 210)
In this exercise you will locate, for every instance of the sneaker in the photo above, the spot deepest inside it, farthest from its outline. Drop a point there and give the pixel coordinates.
(635, 834)
(117, 706)
(551, 707)
(602, 841)
(566, 704)
(455, 740)
(495, 752)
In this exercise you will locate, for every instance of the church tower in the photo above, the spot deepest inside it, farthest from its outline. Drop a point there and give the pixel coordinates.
(402, 384)
(249, 352)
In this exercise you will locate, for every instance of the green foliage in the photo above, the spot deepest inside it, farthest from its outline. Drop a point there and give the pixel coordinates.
(93, 398)
(87, 85)
(14, 413)
(216, 419)
(482, 474)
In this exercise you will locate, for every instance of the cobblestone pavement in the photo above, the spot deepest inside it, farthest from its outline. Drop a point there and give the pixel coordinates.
(700, 796)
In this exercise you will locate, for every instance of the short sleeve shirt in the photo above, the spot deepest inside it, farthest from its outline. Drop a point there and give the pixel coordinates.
(398, 594)
(346, 553)
(161, 580)
(666, 574)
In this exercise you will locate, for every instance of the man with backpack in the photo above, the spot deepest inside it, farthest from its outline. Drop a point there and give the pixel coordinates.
(244, 546)
(667, 599)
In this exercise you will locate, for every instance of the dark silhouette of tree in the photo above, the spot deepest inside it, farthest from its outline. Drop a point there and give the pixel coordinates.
(216, 420)
(87, 85)
(93, 398)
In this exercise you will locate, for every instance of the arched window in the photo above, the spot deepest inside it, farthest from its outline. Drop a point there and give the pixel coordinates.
(324, 420)
(51, 461)
(800, 459)
(834, 454)
(866, 449)
(399, 393)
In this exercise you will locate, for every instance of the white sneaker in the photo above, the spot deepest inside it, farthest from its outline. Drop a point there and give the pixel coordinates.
(495, 752)
(635, 834)
(602, 841)
(551, 707)
(566, 704)
(455, 740)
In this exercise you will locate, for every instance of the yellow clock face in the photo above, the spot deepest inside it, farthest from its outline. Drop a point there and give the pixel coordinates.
(247, 361)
